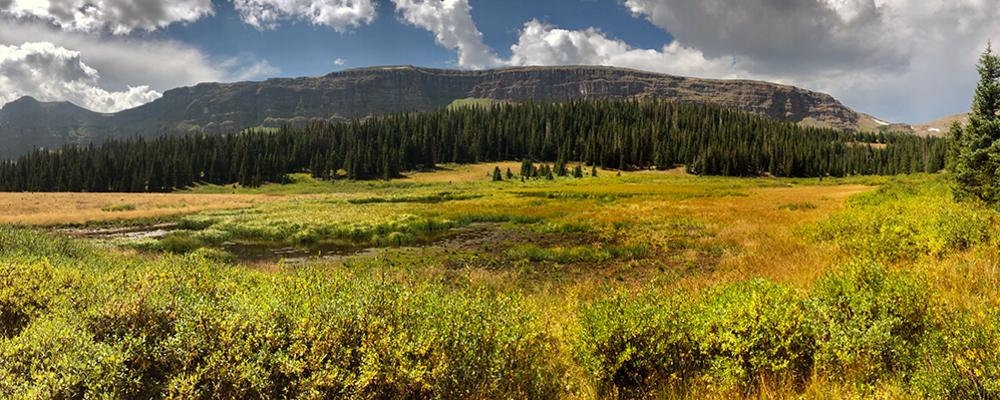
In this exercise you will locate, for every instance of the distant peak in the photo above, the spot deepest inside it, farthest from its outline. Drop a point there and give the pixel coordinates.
(25, 99)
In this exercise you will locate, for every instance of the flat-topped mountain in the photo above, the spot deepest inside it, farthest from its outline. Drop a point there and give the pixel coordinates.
(356, 93)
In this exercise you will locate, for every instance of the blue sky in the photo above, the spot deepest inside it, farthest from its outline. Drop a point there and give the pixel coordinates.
(900, 60)
(300, 48)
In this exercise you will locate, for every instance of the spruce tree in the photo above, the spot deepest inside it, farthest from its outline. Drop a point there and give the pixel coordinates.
(976, 167)
(954, 145)
(497, 177)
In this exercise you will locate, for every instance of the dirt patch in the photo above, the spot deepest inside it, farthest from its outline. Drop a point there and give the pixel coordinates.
(154, 231)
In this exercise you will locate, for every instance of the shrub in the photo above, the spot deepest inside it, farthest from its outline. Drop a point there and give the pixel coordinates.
(731, 338)
(752, 331)
(56, 359)
(26, 291)
(187, 326)
(961, 359)
(869, 322)
(900, 221)
(632, 345)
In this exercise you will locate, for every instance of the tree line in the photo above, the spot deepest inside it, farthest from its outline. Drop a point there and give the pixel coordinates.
(622, 135)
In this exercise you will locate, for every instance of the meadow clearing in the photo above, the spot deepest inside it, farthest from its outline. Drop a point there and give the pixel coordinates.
(448, 285)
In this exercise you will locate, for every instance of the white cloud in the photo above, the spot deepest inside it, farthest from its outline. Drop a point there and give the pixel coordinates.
(49, 72)
(543, 44)
(906, 60)
(339, 62)
(125, 63)
(337, 14)
(116, 16)
(253, 71)
(452, 25)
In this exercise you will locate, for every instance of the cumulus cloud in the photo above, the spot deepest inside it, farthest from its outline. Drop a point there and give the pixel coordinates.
(115, 16)
(337, 14)
(902, 59)
(781, 35)
(543, 44)
(452, 25)
(49, 72)
(124, 64)
(123, 61)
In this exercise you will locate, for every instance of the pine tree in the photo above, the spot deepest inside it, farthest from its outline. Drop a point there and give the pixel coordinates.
(578, 171)
(626, 134)
(976, 166)
(497, 177)
(526, 168)
(954, 145)
(510, 175)
(593, 171)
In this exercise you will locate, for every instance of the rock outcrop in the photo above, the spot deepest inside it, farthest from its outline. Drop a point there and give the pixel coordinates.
(220, 107)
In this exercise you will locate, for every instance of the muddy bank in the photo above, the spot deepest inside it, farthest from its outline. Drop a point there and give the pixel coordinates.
(155, 231)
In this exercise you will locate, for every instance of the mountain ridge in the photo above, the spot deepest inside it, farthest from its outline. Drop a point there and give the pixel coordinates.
(361, 92)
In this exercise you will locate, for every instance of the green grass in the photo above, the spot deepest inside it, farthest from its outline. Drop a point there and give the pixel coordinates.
(902, 220)
(472, 102)
(640, 286)
(119, 208)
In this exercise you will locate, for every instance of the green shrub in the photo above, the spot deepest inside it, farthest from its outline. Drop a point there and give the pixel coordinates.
(961, 359)
(903, 221)
(56, 359)
(869, 322)
(26, 291)
(753, 331)
(731, 338)
(187, 326)
(633, 345)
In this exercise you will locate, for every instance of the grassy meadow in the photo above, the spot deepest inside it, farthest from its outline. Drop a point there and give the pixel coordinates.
(444, 284)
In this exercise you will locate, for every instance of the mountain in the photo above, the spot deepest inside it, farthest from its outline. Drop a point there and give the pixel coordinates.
(940, 127)
(356, 93)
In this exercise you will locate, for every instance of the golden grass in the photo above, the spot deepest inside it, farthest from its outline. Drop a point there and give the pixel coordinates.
(46, 209)
(767, 243)
(749, 219)
(456, 173)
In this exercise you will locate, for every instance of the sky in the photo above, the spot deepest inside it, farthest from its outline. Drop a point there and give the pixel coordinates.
(899, 60)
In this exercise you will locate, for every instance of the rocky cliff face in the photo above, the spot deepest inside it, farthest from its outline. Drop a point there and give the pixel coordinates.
(219, 107)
